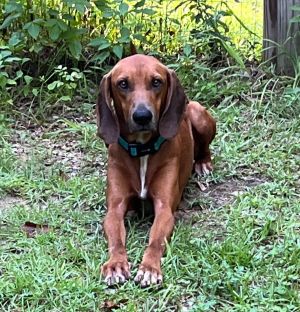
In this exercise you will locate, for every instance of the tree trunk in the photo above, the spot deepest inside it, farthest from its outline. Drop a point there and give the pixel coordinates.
(285, 48)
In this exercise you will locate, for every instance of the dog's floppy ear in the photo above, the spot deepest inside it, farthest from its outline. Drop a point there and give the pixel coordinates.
(108, 126)
(174, 107)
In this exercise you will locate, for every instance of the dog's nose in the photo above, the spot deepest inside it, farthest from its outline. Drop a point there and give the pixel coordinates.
(142, 115)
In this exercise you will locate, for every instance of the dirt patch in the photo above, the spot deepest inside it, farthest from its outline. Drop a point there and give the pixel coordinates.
(224, 193)
(9, 201)
(205, 211)
(54, 145)
(209, 197)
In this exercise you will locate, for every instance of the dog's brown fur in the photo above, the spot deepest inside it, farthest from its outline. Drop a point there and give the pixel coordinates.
(142, 81)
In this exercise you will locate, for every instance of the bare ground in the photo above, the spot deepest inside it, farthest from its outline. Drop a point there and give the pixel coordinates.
(53, 145)
(9, 201)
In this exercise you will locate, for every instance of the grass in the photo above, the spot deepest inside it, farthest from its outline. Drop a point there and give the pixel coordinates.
(235, 247)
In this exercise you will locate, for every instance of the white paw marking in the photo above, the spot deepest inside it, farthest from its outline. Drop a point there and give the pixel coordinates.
(147, 278)
(116, 277)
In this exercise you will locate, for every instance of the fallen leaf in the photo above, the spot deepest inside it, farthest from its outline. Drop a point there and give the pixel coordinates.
(63, 175)
(109, 305)
(32, 229)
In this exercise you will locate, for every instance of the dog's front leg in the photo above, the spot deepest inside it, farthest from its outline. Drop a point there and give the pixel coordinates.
(116, 269)
(166, 195)
(150, 269)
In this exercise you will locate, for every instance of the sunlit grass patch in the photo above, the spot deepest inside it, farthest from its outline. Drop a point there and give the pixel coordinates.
(245, 25)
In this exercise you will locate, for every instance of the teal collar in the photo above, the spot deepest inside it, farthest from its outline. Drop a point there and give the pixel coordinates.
(139, 149)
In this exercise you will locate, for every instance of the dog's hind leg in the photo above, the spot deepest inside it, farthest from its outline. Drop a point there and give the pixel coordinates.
(204, 130)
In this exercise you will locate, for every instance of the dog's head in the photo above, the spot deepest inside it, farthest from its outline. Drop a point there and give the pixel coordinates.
(139, 95)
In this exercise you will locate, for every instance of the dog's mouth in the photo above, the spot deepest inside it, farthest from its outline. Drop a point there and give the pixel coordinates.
(134, 128)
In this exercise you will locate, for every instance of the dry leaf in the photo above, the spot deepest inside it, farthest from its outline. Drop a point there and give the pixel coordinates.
(32, 229)
(109, 305)
(63, 175)
(202, 187)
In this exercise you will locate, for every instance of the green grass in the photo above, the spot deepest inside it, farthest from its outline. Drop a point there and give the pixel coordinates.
(235, 247)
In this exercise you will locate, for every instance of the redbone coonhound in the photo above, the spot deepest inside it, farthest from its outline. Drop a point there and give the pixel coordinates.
(155, 137)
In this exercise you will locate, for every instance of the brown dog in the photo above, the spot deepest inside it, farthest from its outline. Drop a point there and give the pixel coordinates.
(154, 137)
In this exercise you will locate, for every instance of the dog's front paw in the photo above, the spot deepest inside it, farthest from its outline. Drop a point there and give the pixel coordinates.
(148, 275)
(115, 271)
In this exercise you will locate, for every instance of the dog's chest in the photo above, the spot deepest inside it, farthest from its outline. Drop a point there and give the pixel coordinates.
(143, 172)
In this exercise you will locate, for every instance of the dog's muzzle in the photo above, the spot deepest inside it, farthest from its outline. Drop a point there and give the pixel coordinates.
(142, 119)
(142, 116)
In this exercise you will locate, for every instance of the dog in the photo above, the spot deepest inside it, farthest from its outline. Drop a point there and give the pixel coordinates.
(155, 137)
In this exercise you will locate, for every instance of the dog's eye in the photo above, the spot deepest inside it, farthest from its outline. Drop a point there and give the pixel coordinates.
(156, 83)
(123, 84)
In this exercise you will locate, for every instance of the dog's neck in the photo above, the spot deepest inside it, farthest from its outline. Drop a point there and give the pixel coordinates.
(140, 137)
(142, 149)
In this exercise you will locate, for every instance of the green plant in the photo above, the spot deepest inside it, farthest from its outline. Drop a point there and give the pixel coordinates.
(61, 82)
(44, 42)
(61, 87)
(93, 32)
(9, 77)
(207, 85)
